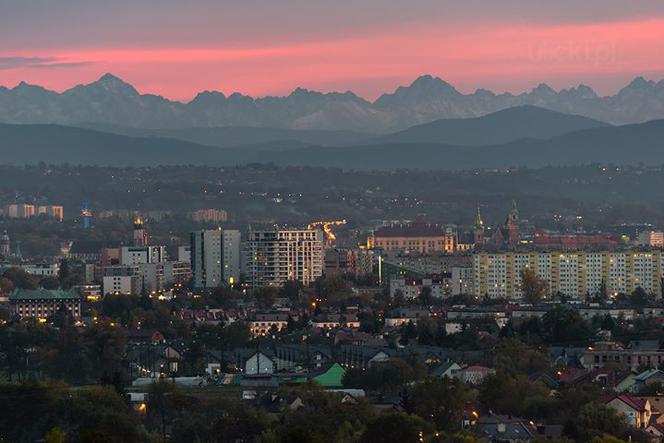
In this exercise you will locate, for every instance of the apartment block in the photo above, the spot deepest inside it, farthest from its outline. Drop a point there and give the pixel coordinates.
(276, 256)
(573, 274)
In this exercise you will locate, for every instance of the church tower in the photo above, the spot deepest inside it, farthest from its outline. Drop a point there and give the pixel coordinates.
(478, 230)
(140, 235)
(512, 226)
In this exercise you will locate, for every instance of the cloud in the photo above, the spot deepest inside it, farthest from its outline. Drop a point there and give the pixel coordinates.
(18, 62)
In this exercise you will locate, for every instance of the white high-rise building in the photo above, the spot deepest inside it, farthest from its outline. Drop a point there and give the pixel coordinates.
(215, 257)
(274, 257)
(135, 255)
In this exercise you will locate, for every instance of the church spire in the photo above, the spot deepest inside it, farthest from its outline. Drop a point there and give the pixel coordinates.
(479, 223)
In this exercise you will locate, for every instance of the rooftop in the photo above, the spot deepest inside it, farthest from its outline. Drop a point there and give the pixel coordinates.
(43, 294)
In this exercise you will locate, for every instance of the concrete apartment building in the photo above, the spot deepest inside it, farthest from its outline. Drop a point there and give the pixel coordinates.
(276, 256)
(215, 257)
(574, 274)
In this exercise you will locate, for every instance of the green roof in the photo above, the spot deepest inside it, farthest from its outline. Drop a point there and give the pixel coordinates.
(43, 294)
(329, 379)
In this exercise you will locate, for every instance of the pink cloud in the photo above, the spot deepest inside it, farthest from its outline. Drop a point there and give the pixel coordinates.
(490, 55)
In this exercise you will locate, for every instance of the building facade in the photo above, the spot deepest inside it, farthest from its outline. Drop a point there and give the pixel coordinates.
(215, 257)
(43, 303)
(573, 274)
(417, 237)
(134, 255)
(276, 256)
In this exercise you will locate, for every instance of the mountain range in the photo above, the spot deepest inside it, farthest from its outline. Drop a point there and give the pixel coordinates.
(522, 136)
(111, 101)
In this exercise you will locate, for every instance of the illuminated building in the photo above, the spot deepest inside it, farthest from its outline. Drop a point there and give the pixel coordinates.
(5, 245)
(43, 303)
(417, 237)
(56, 212)
(21, 211)
(215, 257)
(140, 234)
(86, 216)
(478, 230)
(654, 239)
(573, 274)
(276, 256)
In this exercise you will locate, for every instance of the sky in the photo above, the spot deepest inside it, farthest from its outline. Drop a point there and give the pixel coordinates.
(177, 48)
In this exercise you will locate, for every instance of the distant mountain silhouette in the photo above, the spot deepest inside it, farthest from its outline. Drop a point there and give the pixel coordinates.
(111, 101)
(629, 144)
(29, 144)
(499, 127)
(234, 136)
(621, 145)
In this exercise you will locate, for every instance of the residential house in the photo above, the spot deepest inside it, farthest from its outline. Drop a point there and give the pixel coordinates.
(638, 412)
(503, 429)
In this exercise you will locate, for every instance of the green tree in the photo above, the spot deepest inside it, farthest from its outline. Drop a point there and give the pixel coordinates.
(440, 401)
(534, 288)
(395, 428)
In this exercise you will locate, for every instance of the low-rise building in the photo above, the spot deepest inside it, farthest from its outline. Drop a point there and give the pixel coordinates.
(43, 303)
(637, 412)
(263, 323)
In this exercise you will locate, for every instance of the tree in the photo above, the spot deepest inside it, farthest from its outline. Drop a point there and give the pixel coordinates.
(515, 395)
(596, 420)
(63, 273)
(395, 428)
(291, 290)
(640, 297)
(159, 409)
(534, 288)
(425, 296)
(440, 401)
(564, 325)
(20, 278)
(49, 283)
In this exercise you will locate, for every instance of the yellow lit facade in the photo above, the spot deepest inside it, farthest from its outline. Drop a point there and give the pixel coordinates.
(573, 274)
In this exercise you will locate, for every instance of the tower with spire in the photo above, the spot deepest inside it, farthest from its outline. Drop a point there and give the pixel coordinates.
(478, 229)
(140, 235)
(512, 225)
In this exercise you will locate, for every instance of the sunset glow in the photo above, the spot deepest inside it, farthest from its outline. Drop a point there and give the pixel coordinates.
(481, 54)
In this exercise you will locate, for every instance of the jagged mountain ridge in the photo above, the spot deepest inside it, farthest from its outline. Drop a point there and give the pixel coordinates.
(112, 101)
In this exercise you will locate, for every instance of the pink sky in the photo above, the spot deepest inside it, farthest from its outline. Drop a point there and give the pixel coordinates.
(500, 55)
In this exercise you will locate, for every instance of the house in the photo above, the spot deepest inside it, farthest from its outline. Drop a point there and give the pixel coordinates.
(259, 364)
(503, 429)
(144, 336)
(647, 377)
(353, 337)
(474, 375)
(264, 323)
(656, 429)
(632, 358)
(334, 321)
(353, 356)
(638, 412)
(448, 369)
(398, 317)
